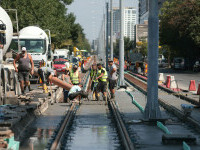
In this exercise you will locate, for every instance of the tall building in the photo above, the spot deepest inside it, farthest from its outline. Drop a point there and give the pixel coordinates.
(130, 22)
(130, 19)
(144, 9)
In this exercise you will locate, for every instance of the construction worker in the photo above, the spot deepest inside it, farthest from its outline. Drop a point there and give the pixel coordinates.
(24, 60)
(66, 78)
(145, 69)
(46, 73)
(93, 76)
(75, 75)
(112, 78)
(102, 79)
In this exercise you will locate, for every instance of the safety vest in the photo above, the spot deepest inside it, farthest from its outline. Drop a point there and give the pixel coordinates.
(74, 77)
(146, 68)
(93, 75)
(105, 75)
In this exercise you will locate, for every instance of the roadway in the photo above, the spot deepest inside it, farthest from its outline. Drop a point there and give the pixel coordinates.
(183, 77)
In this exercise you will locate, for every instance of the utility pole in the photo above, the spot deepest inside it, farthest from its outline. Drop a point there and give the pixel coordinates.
(121, 46)
(152, 110)
(107, 42)
(111, 29)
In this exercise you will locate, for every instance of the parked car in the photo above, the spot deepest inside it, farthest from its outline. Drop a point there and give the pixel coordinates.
(59, 65)
(179, 63)
(164, 63)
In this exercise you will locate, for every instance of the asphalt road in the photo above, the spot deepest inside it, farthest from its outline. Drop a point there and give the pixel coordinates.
(182, 77)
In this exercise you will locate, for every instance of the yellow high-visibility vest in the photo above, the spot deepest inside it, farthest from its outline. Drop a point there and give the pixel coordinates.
(74, 77)
(93, 75)
(104, 77)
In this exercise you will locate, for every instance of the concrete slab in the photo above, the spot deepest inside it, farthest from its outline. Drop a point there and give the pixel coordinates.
(147, 136)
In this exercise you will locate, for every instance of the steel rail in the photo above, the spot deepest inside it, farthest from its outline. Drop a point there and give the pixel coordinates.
(182, 97)
(141, 86)
(63, 127)
(68, 117)
(121, 127)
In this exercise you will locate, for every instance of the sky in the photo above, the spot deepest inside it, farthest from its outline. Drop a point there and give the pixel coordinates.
(89, 13)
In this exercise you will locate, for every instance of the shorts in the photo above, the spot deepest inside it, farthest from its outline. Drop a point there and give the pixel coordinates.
(23, 75)
(94, 86)
(102, 87)
(112, 84)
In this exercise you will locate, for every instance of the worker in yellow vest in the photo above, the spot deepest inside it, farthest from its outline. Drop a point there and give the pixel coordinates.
(145, 69)
(75, 75)
(102, 79)
(94, 81)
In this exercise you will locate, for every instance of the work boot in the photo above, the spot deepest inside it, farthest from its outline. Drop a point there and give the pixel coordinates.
(29, 88)
(97, 97)
(93, 96)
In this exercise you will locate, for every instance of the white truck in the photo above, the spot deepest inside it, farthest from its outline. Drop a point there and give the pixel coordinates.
(8, 79)
(37, 43)
(61, 53)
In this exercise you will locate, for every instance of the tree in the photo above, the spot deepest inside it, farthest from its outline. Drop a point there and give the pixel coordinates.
(179, 27)
(48, 14)
(128, 45)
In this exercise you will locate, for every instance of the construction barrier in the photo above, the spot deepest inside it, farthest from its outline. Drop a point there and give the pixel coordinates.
(173, 83)
(168, 82)
(161, 78)
(192, 86)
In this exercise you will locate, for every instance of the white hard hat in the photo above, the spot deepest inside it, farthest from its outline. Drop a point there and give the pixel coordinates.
(23, 48)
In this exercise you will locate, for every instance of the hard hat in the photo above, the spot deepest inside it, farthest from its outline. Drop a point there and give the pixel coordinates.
(23, 48)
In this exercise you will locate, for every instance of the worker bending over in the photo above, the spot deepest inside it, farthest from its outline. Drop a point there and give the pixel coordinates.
(102, 79)
(66, 78)
(46, 73)
(75, 75)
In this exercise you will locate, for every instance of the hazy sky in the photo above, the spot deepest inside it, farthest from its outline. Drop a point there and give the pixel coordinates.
(89, 13)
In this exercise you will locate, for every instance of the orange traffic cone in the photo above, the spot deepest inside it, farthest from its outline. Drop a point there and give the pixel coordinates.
(168, 82)
(192, 86)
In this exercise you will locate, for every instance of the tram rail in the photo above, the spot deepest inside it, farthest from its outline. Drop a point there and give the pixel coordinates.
(141, 85)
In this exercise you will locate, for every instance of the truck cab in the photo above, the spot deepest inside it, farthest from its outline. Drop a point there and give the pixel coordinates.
(37, 43)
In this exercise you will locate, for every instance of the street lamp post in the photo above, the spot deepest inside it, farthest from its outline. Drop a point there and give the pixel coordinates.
(107, 42)
(111, 29)
(121, 46)
(152, 110)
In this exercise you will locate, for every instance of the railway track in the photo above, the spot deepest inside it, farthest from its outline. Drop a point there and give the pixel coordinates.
(95, 116)
(87, 124)
(63, 137)
(170, 105)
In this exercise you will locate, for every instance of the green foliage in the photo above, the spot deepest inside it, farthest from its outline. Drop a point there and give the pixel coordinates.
(128, 45)
(143, 48)
(52, 15)
(179, 27)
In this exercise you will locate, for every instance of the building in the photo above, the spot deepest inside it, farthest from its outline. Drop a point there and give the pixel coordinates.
(144, 9)
(130, 19)
(130, 16)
